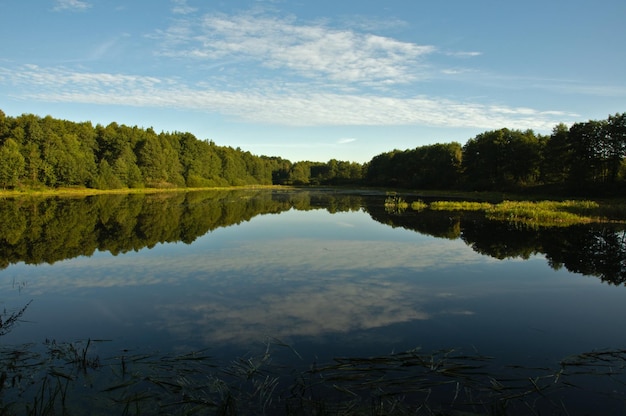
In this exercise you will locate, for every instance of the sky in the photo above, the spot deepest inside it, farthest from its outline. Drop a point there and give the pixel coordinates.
(315, 80)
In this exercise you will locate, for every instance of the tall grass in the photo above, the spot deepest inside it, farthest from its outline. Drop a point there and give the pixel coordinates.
(540, 213)
(459, 206)
(553, 213)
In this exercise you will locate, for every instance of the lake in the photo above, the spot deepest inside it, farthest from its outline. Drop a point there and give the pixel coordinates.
(320, 289)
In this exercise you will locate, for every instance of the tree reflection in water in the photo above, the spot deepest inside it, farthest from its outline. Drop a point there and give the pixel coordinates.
(47, 230)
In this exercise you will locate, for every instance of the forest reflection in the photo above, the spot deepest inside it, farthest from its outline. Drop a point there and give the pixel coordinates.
(47, 230)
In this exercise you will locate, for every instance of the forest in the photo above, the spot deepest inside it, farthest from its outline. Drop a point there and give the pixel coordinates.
(44, 152)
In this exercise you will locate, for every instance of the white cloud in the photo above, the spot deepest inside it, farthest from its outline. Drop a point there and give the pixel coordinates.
(311, 51)
(181, 7)
(346, 140)
(299, 105)
(71, 5)
(464, 54)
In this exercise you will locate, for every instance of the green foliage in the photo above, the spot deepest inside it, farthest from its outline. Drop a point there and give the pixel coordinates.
(574, 159)
(543, 213)
(106, 178)
(394, 203)
(459, 206)
(12, 164)
(418, 205)
(57, 153)
(502, 158)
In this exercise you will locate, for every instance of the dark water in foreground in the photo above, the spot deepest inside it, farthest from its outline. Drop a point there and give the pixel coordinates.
(329, 275)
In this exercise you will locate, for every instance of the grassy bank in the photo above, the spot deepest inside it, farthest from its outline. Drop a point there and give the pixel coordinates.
(79, 192)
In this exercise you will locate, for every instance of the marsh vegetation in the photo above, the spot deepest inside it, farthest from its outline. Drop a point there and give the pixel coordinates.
(531, 213)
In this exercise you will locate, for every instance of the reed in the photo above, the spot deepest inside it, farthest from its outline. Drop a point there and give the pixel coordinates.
(530, 213)
(544, 213)
(459, 206)
(395, 204)
(418, 205)
(442, 382)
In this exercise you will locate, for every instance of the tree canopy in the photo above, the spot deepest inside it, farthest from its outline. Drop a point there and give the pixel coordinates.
(46, 152)
(585, 157)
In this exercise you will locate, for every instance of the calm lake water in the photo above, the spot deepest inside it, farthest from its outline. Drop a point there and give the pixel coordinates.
(329, 274)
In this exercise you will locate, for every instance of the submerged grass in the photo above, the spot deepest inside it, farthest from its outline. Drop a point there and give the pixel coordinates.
(63, 381)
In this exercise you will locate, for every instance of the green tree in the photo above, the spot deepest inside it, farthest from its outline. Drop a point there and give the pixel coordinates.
(106, 178)
(501, 159)
(587, 164)
(616, 136)
(233, 166)
(126, 170)
(437, 166)
(4, 126)
(12, 164)
(379, 170)
(155, 158)
(556, 160)
(300, 173)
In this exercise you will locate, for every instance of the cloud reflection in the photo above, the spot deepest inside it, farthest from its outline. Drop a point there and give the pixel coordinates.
(312, 310)
(230, 286)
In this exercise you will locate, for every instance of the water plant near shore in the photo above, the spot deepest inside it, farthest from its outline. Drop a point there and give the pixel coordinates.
(532, 213)
(561, 213)
(459, 206)
(65, 380)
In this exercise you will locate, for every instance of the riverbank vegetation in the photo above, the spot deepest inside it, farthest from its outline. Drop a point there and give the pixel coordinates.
(534, 213)
(38, 153)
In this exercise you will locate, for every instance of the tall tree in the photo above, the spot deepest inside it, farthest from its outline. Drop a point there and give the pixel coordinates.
(502, 158)
(12, 164)
(588, 160)
(616, 136)
(557, 154)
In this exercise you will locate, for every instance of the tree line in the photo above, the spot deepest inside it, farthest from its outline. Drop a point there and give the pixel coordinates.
(36, 151)
(587, 154)
(44, 151)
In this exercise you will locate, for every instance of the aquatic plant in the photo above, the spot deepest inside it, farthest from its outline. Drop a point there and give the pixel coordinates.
(9, 319)
(395, 203)
(531, 213)
(418, 205)
(63, 381)
(459, 206)
(546, 213)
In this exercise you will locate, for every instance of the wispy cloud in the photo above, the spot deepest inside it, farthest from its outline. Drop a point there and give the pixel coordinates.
(300, 105)
(346, 140)
(463, 54)
(78, 5)
(306, 50)
(181, 7)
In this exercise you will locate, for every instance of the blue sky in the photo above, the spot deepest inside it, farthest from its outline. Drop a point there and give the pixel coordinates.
(315, 80)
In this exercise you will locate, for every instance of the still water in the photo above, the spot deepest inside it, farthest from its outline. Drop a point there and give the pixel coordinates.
(328, 274)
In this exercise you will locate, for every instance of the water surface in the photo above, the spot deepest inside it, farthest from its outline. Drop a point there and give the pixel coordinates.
(329, 274)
